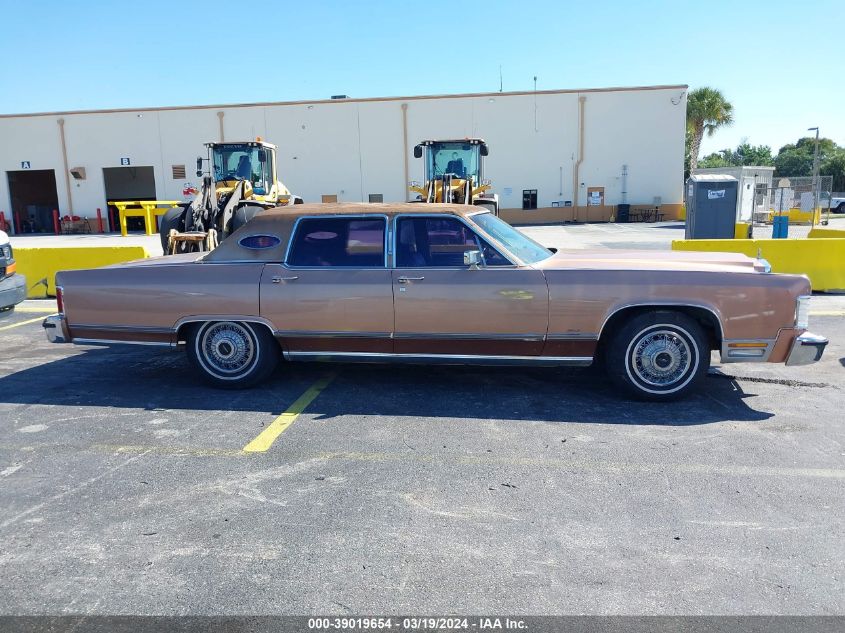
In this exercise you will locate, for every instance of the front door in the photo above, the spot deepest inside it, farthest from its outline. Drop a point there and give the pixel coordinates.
(443, 307)
(334, 292)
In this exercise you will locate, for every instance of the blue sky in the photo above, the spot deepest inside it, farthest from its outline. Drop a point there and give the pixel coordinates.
(780, 63)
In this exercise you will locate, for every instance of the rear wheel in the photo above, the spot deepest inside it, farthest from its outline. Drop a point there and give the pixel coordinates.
(233, 354)
(658, 356)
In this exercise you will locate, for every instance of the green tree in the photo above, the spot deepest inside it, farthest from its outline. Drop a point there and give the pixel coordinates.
(796, 159)
(707, 111)
(744, 154)
(753, 155)
(834, 165)
(723, 158)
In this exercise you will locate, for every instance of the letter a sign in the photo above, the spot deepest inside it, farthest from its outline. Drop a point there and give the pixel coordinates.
(25, 164)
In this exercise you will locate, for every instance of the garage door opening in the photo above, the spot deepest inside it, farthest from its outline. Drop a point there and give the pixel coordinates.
(33, 197)
(128, 183)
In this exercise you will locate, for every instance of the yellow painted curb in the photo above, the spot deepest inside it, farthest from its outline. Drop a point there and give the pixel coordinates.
(40, 264)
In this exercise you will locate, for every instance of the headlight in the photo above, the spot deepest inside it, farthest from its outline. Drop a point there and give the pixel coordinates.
(802, 312)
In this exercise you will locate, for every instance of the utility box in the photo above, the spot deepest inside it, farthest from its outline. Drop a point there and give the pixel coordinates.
(711, 206)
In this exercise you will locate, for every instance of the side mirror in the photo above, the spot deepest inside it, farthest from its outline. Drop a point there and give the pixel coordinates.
(417, 151)
(473, 259)
(262, 156)
(484, 149)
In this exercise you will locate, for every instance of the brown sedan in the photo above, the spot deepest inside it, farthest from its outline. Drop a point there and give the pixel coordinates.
(439, 284)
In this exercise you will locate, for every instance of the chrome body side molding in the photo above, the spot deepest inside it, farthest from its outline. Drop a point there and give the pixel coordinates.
(445, 359)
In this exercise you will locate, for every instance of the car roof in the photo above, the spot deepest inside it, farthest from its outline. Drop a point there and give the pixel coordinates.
(358, 208)
(279, 222)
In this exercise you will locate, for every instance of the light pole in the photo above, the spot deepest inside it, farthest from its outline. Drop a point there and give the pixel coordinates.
(815, 171)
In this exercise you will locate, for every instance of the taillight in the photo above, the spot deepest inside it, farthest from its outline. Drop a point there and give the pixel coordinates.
(60, 303)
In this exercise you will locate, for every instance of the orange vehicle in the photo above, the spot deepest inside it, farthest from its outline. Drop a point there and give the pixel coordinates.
(439, 283)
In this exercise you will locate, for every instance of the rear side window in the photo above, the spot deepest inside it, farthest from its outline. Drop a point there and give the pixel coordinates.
(338, 242)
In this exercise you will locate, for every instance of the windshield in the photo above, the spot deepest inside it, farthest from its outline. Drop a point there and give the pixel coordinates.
(517, 243)
(458, 159)
(241, 161)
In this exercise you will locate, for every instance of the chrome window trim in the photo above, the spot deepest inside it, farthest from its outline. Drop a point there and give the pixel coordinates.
(502, 251)
(340, 216)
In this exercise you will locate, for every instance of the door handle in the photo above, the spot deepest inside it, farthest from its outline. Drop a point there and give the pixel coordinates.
(404, 280)
(278, 280)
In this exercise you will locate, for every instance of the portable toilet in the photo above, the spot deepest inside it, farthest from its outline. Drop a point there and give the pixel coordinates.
(711, 206)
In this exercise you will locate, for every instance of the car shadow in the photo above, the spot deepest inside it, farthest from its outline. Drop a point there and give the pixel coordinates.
(154, 379)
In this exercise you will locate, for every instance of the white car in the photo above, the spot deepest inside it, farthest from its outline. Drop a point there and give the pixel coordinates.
(12, 285)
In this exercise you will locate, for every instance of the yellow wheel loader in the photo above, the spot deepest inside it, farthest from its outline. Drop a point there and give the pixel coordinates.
(454, 173)
(239, 181)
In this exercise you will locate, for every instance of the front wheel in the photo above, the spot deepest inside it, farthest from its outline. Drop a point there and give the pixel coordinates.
(658, 356)
(233, 354)
(172, 219)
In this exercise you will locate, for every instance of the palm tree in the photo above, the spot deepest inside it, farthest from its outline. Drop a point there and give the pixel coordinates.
(707, 111)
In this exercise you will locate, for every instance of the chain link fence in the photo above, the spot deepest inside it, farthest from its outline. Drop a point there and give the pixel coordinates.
(806, 205)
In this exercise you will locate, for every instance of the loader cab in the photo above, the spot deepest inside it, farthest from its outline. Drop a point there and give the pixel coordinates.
(459, 159)
(254, 162)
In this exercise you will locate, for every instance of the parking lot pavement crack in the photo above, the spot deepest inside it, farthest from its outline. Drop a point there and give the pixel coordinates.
(66, 493)
(772, 381)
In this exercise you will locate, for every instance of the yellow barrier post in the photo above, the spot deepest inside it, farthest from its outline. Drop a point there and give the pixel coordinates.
(147, 209)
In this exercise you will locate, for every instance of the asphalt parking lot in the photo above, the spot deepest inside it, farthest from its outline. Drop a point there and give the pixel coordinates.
(125, 488)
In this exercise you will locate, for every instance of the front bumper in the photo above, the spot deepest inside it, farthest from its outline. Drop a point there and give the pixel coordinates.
(806, 349)
(12, 291)
(54, 328)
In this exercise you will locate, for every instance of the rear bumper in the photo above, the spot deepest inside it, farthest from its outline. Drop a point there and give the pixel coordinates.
(56, 329)
(806, 349)
(12, 291)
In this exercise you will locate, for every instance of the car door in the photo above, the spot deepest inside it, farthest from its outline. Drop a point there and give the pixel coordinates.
(333, 293)
(444, 307)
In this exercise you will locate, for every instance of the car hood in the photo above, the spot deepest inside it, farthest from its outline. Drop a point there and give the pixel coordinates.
(607, 259)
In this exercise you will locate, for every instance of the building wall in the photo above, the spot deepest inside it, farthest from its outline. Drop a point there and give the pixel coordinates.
(353, 148)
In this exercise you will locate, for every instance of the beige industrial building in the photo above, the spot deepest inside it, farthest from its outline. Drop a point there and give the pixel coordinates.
(555, 155)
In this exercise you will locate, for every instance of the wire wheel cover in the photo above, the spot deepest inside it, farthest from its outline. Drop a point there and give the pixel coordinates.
(662, 357)
(227, 348)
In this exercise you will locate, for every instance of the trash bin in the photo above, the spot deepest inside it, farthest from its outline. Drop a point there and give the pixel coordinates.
(780, 227)
(623, 213)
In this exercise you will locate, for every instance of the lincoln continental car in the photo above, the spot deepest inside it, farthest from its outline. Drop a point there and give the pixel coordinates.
(439, 284)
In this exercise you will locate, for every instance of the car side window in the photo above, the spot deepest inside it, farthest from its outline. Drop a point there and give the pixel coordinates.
(338, 242)
(440, 243)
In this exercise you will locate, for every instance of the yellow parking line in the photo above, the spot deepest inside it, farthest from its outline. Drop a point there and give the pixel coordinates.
(39, 309)
(9, 327)
(266, 438)
(827, 312)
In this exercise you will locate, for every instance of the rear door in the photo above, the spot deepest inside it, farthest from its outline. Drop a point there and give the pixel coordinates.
(333, 293)
(442, 307)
